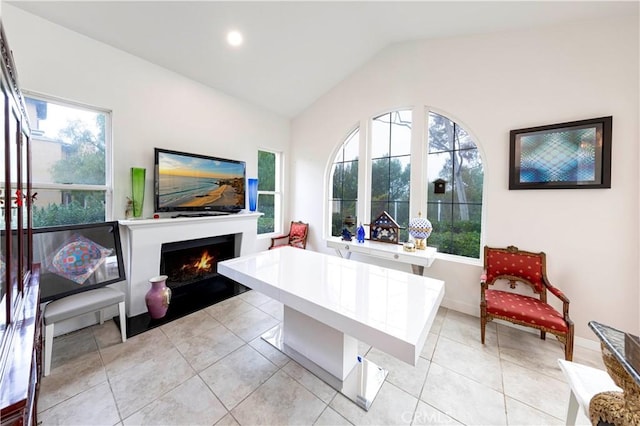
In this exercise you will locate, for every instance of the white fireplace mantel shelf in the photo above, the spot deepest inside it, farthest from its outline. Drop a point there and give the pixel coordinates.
(142, 240)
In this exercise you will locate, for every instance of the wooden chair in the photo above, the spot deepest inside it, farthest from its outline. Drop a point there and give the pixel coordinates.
(297, 237)
(517, 266)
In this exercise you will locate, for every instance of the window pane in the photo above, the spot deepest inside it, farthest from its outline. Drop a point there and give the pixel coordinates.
(463, 140)
(456, 214)
(266, 222)
(350, 180)
(54, 207)
(380, 136)
(266, 171)
(378, 207)
(401, 133)
(440, 133)
(340, 210)
(380, 179)
(466, 230)
(337, 180)
(400, 213)
(344, 184)
(68, 143)
(469, 177)
(399, 178)
(440, 167)
(351, 147)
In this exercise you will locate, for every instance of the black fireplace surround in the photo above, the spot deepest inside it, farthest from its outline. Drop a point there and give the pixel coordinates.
(191, 268)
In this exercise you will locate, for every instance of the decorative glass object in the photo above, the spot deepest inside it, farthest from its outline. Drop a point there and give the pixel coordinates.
(253, 194)
(137, 189)
(361, 233)
(420, 228)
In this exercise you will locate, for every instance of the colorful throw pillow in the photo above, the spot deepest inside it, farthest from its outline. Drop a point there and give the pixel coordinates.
(77, 259)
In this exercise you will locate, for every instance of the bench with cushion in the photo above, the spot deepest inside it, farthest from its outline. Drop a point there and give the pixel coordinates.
(79, 304)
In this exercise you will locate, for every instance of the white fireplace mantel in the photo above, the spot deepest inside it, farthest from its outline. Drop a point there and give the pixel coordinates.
(143, 238)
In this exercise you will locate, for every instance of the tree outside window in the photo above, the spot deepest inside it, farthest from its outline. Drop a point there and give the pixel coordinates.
(391, 167)
(269, 193)
(69, 152)
(344, 183)
(456, 215)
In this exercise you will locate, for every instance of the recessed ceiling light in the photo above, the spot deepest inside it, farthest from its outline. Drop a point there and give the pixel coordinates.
(234, 38)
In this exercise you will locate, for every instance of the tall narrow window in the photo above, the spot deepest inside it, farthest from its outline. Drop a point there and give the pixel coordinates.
(269, 192)
(456, 214)
(391, 167)
(70, 144)
(344, 183)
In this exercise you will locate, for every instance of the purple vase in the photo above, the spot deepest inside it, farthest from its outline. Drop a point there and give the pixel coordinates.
(158, 297)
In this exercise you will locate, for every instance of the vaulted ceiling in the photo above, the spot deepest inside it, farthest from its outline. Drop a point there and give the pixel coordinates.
(293, 51)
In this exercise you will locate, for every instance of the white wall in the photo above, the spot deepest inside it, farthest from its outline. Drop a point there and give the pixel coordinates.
(152, 107)
(492, 84)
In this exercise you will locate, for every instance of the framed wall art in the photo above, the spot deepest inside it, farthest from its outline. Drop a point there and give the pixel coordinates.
(570, 155)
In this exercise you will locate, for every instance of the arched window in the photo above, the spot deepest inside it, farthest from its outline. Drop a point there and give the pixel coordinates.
(391, 167)
(456, 213)
(344, 182)
(451, 157)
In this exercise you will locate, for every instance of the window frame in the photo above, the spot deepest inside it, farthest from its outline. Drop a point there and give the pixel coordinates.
(419, 185)
(107, 188)
(277, 193)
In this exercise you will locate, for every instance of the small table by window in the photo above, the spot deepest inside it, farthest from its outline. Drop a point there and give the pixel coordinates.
(395, 252)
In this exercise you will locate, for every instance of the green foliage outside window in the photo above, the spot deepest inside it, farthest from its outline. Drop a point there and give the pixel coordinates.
(85, 207)
(456, 215)
(82, 161)
(266, 182)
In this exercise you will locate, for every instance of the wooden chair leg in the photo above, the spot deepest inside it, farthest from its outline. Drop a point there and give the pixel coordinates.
(543, 335)
(483, 324)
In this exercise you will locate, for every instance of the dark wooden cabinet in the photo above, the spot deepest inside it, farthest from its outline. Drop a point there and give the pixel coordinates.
(20, 320)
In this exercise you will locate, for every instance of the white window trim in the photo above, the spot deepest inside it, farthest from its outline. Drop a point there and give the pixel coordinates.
(277, 195)
(419, 172)
(107, 188)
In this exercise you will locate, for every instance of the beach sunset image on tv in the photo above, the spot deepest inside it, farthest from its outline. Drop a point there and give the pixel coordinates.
(193, 182)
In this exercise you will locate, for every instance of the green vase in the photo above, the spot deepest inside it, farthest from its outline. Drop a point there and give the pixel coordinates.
(137, 189)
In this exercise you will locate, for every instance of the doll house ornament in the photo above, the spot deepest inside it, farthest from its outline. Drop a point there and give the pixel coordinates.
(384, 229)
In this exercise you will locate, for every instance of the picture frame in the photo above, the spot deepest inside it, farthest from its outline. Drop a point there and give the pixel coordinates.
(77, 258)
(571, 155)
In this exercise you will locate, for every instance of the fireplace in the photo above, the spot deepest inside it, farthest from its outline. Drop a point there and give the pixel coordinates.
(191, 268)
(189, 262)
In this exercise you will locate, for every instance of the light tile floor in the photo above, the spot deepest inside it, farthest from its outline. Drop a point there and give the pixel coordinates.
(212, 368)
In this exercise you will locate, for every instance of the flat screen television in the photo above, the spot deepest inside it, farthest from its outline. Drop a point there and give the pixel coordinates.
(198, 183)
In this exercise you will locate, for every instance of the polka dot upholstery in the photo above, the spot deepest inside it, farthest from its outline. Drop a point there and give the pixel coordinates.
(527, 266)
(297, 237)
(524, 309)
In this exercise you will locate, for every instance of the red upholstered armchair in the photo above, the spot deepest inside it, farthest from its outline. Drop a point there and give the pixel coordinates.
(517, 266)
(297, 237)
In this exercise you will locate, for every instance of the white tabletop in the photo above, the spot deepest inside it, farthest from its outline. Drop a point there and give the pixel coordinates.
(388, 309)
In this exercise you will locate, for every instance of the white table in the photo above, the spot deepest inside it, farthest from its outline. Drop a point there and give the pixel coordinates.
(330, 303)
(417, 259)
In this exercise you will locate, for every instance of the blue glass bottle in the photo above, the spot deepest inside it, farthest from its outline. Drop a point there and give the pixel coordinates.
(360, 234)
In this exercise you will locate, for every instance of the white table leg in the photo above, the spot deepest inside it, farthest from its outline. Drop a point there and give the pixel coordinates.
(329, 354)
(331, 349)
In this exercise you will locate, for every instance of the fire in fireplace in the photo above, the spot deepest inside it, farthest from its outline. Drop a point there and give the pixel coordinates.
(188, 262)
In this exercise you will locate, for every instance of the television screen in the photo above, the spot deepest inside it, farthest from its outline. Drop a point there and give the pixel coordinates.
(192, 182)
